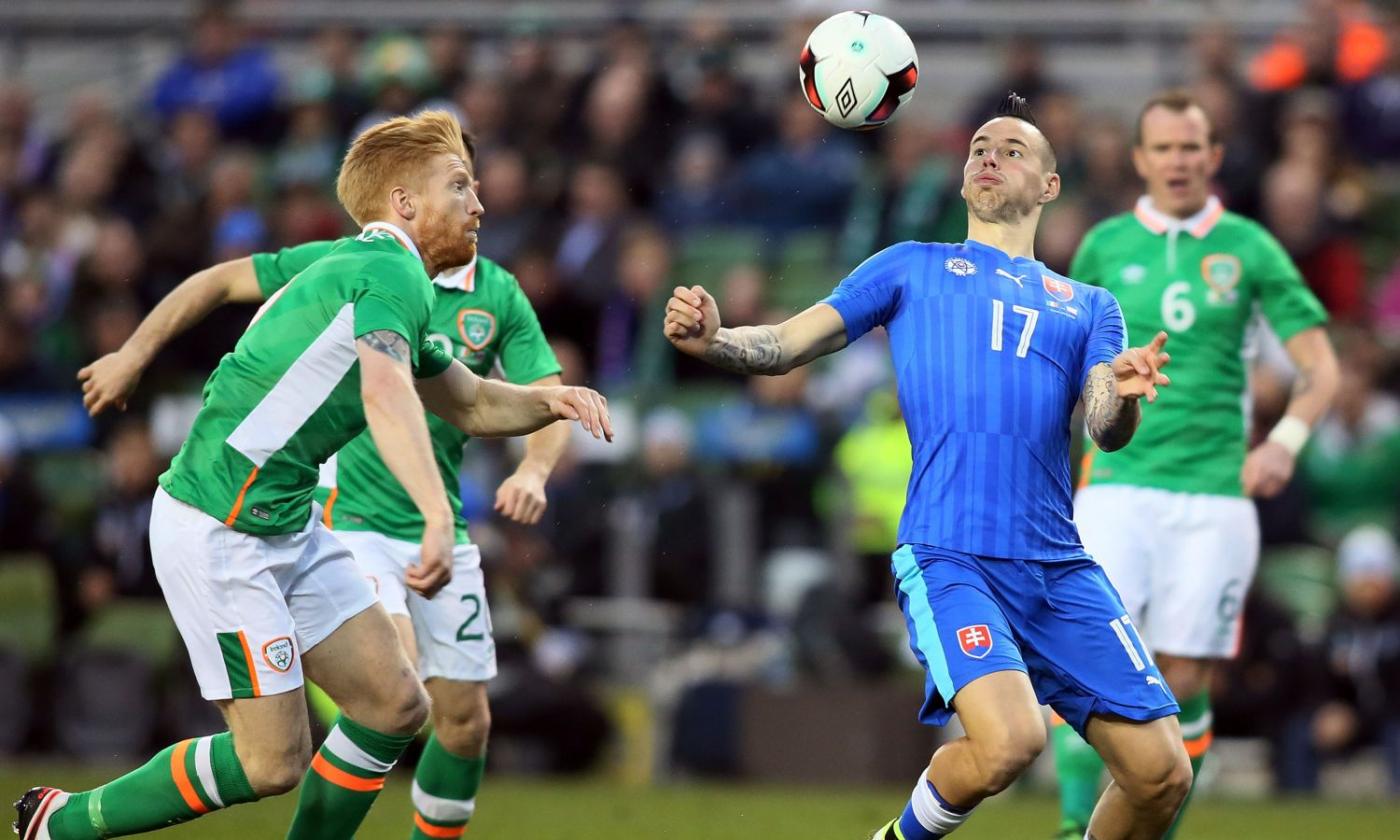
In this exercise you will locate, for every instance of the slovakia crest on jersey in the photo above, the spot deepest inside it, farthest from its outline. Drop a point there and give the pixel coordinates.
(959, 266)
(975, 640)
(1057, 289)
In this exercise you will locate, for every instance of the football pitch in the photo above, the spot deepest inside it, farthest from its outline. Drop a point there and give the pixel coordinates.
(596, 809)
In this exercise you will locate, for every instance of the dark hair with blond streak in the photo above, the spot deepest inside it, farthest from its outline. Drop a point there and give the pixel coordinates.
(394, 153)
(1178, 101)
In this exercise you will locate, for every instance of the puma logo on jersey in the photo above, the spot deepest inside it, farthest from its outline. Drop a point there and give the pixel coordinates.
(1015, 278)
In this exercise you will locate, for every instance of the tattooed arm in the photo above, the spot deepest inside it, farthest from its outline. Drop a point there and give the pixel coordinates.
(1110, 419)
(692, 325)
(1111, 392)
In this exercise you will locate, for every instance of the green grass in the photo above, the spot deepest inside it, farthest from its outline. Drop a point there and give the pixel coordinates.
(568, 810)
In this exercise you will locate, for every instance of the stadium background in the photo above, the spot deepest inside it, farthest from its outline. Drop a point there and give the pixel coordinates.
(699, 639)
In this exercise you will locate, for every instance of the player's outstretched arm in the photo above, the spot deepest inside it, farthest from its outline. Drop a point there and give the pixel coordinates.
(400, 431)
(692, 325)
(109, 381)
(1112, 390)
(487, 408)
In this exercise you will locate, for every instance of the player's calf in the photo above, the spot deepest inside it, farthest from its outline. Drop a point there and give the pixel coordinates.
(275, 768)
(1157, 783)
(449, 773)
(461, 715)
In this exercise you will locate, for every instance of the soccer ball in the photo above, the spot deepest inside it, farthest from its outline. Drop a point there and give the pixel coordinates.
(857, 69)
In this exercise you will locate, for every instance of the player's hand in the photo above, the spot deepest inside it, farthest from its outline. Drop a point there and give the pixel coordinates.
(585, 405)
(692, 319)
(1267, 470)
(1137, 371)
(434, 569)
(109, 381)
(521, 498)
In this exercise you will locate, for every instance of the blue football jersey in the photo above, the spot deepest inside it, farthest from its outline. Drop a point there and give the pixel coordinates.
(990, 355)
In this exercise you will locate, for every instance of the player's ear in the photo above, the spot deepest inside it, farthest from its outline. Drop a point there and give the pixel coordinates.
(401, 200)
(1052, 188)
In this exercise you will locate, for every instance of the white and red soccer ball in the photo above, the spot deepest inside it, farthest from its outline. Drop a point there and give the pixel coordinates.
(857, 69)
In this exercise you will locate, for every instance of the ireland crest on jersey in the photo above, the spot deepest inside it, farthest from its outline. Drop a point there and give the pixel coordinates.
(477, 327)
(1222, 274)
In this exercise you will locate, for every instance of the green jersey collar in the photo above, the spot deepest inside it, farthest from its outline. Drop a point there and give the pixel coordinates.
(1198, 225)
(462, 278)
(397, 232)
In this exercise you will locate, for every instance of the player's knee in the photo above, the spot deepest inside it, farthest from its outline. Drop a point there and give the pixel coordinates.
(274, 769)
(1002, 760)
(1161, 784)
(405, 708)
(463, 729)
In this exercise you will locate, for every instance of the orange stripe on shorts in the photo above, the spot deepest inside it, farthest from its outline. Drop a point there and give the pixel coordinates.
(340, 778)
(252, 666)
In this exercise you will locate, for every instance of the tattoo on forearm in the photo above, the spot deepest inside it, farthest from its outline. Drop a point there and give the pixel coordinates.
(1111, 420)
(746, 350)
(389, 343)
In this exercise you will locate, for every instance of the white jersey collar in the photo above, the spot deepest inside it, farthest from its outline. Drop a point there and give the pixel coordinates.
(1198, 225)
(398, 233)
(462, 278)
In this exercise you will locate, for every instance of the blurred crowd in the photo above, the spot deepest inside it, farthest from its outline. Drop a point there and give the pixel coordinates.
(762, 508)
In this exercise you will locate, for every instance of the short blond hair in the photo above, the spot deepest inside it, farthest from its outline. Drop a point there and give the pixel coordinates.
(394, 153)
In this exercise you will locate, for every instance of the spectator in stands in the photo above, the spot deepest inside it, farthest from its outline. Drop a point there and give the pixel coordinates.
(1336, 42)
(1023, 70)
(1351, 466)
(449, 58)
(235, 81)
(874, 462)
(1312, 201)
(310, 151)
(534, 123)
(121, 551)
(803, 181)
(678, 521)
(335, 76)
(696, 195)
(910, 191)
(515, 218)
(628, 348)
(234, 218)
(1371, 107)
(586, 258)
(1360, 693)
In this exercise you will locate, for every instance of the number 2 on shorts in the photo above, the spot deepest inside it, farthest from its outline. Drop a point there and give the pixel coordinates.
(462, 634)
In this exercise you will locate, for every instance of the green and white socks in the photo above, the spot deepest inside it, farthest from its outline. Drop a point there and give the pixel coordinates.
(444, 792)
(181, 782)
(345, 778)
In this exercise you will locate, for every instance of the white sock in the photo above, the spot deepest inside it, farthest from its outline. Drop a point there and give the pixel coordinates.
(934, 815)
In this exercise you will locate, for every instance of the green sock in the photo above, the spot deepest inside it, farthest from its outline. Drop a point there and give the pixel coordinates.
(182, 782)
(345, 778)
(444, 792)
(1079, 769)
(1196, 722)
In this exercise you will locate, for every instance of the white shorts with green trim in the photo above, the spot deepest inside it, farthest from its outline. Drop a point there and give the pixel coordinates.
(453, 628)
(248, 607)
(1182, 562)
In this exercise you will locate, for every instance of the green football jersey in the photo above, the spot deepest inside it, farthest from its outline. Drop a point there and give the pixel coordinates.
(288, 396)
(1204, 280)
(481, 317)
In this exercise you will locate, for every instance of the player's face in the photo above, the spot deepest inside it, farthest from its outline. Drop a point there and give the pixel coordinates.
(1005, 177)
(451, 214)
(1177, 159)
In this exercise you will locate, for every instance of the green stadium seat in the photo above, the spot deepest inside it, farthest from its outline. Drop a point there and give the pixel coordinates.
(70, 482)
(140, 627)
(1302, 578)
(28, 606)
(805, 272)
(705, 256)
